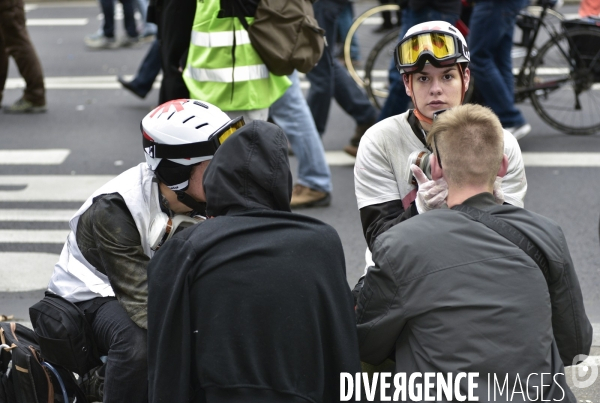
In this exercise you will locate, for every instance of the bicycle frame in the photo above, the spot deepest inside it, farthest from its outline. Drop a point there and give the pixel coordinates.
(522, 91)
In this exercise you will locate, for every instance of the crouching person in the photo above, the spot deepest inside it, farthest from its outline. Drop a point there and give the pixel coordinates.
(450, 295)
(102, 268)
(251, 305)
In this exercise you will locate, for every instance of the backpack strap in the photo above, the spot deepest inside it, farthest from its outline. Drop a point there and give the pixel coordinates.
(509, 232)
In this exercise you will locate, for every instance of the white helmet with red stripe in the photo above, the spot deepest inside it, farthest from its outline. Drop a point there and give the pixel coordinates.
(181, 133)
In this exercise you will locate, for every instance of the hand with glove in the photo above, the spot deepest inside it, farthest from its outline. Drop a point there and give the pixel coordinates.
(432, 194)
(498, 193)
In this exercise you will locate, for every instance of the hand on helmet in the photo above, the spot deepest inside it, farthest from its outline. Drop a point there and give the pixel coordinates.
(432, 194)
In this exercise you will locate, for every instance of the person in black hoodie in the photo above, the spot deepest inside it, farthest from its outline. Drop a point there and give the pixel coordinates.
(251, 305)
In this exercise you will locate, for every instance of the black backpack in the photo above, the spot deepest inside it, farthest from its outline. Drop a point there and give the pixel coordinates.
(25, 377)
(64, 333)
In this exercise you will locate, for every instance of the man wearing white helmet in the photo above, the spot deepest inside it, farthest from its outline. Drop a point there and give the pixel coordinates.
(433, 59)
(114, 234)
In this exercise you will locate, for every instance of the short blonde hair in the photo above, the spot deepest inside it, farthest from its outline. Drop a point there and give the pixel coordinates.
(470, 142)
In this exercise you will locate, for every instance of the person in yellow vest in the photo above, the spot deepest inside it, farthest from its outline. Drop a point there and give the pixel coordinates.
(222, 66)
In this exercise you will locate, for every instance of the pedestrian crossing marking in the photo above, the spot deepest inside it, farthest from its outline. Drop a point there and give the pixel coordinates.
(530, 159)
(56, 22)
(50, 187)
(34, 157)
(53, 236)
(535, 159)
(36, 215)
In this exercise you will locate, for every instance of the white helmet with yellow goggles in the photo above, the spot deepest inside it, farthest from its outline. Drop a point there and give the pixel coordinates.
(182, 133)
(436, 42)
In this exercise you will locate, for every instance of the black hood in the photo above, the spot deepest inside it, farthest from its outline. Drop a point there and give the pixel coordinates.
(249, 171)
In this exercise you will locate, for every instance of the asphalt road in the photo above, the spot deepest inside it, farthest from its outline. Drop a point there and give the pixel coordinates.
(93, 125)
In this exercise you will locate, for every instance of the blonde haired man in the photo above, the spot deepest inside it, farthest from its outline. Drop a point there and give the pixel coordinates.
(450, 295)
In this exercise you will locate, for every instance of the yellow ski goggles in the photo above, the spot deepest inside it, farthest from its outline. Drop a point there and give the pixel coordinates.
(440, 49)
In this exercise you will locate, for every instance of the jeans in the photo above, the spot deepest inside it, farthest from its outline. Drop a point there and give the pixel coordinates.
(344, 22)
(15, 42)
(397, 101)
(491, 63)
(148, 70)
(291, 113)
(148, 27)
(118, 337)
(329, 79)
(108, 9)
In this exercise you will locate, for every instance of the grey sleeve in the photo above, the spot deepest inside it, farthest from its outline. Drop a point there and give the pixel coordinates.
(379, 313)
(571, 326)
(109, 239)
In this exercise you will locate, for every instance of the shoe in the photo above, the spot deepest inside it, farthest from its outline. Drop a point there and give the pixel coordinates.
(303, 196)
(359, 131)
(146, 37)
(129, 41)
(92, 385)
(24, 106)
(127, 85)
(97, 40)
(520, 131)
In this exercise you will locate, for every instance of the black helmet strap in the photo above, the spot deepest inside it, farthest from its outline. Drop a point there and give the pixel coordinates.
(198, 207)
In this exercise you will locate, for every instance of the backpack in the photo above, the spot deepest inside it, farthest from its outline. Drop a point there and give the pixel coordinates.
(286, 35)
(64, 333)
(25, 378)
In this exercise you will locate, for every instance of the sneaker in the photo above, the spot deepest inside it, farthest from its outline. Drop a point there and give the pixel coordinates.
(24, 106)
(520, 131)
(97, 40)
(147, 37)
(128, 41)
(303, 196)
(359, 131)
(92, 385)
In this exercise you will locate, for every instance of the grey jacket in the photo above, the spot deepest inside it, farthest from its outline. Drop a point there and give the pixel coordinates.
(448, 294)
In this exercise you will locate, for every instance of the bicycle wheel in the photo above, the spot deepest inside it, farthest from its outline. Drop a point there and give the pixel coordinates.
(362, 22)
(564, 82)
(376, 68)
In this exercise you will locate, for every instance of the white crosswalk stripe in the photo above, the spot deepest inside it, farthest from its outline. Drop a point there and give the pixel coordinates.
(33, 157)
(56, 22)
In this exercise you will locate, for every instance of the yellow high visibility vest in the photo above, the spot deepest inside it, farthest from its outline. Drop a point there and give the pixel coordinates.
(210, 73)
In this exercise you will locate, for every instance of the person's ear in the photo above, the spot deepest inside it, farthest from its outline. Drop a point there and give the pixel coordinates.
(405, 80)
(503, 166)
(436, 170)
(467, 78)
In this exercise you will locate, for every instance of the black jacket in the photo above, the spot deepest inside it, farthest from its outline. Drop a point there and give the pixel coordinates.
(448, 294)
(252, 305)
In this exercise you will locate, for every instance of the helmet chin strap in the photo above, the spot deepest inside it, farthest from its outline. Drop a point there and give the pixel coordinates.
(417, 112)
(198, 207)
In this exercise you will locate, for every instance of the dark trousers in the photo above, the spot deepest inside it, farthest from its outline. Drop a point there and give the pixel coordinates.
(491, 62)
(174, 19)
(108, 9)
(15, 42)
(329, 79)
(149, 69)
(118, 337)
